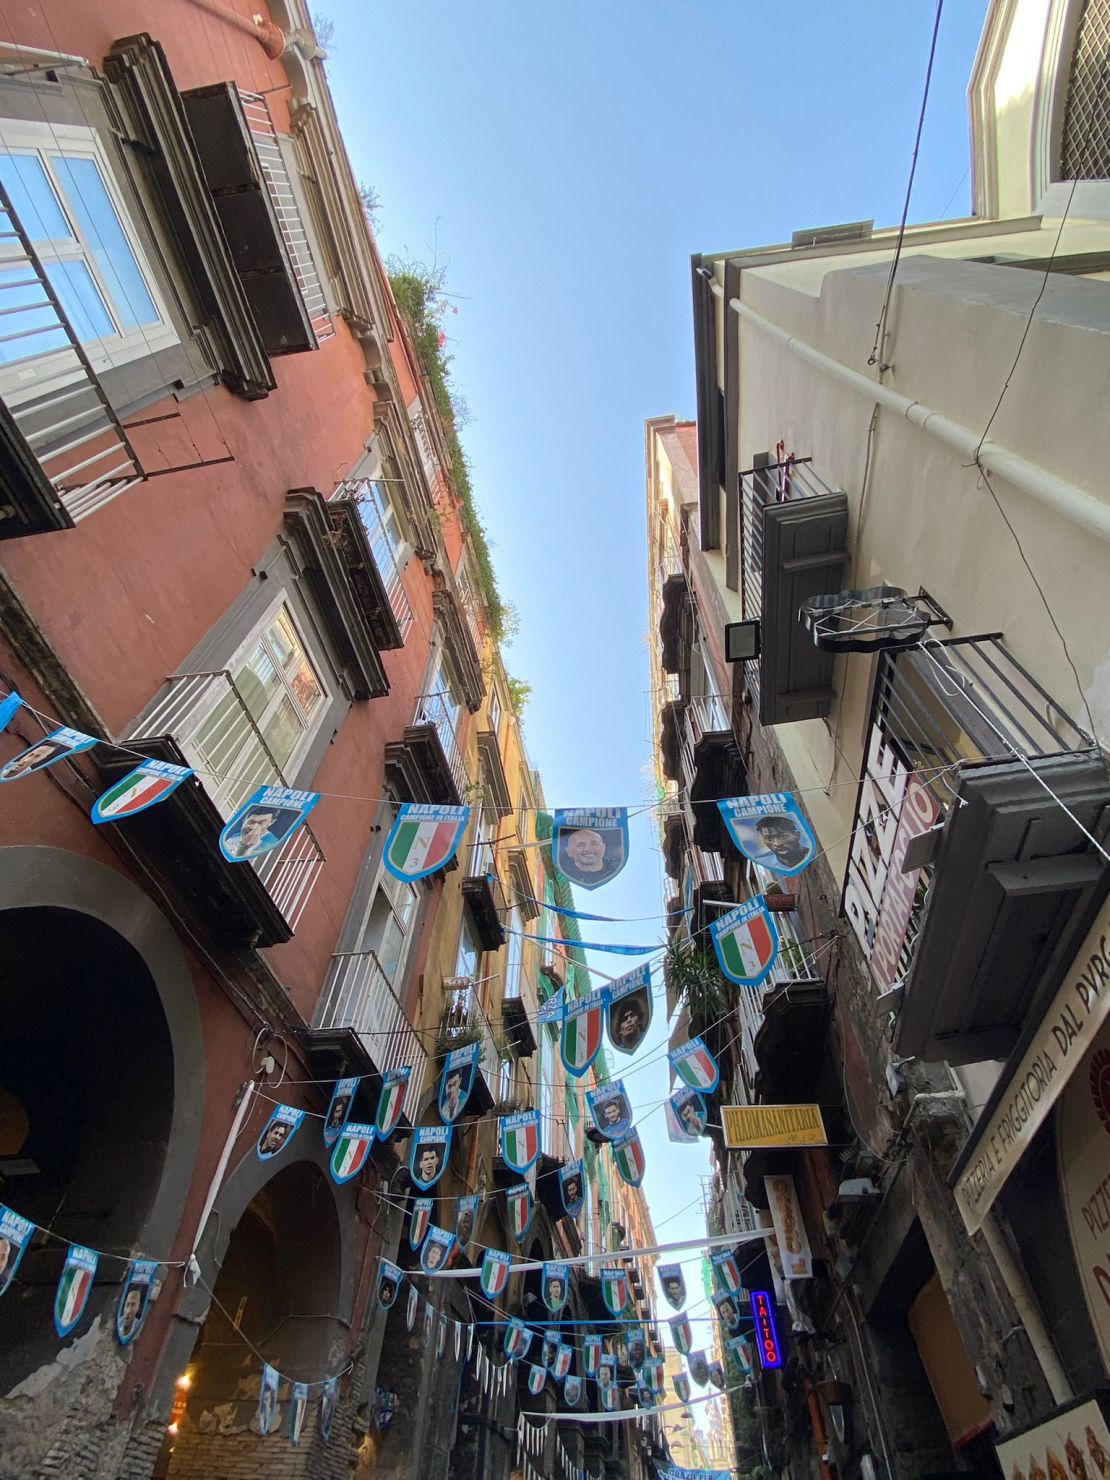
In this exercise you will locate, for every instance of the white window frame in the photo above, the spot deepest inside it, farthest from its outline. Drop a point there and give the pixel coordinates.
(494, 713)
(19, 136)
(218, 789)
(394, 890)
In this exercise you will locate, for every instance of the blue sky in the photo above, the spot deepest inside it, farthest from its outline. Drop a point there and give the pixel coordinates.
(563, 162)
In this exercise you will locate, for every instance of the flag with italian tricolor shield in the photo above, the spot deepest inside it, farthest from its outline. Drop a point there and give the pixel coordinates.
(518, 1208)
(495, 1272)
(391, 1101)
(561, 1365)
(351, 1150)
(518, 1339)
(681, 1334)
(695, 1065)
(628, 1157)
(520, 1139)
(581, 1036)
(614, 1289)
(151, 782)
(423, 838)
(74, 1285)
(591, 1354)
(420, 1220)
(681, 1387)
(746, 942)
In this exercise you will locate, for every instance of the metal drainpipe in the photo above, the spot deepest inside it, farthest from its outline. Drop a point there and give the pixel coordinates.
(1029, 1311)
(1074, 504)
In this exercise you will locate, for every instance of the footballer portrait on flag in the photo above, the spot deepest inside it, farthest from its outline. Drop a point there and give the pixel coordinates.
(590, 844)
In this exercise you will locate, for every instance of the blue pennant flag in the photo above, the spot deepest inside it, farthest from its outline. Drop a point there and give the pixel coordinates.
(590, 844)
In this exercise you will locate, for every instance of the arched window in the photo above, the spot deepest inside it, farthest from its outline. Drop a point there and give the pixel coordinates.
(1085, 149)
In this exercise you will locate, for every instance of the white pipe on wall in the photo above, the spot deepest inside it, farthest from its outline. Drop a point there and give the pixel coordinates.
(1072, 503)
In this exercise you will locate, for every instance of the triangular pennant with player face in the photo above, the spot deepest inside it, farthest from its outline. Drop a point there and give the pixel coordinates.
(141, 788)
(555, 1282)
(339, 1109)
(716, 1374)
(389, 1283)
(466, 1216)
(629, 1012)
(572, 1188)
(264, 822)
(456, 1081)
(746, 941)
(614, 1288)
(681, 1333)
(15, 1232)
(74, 1287)
(698, 1367)
(391, 1101)
(695, 1066)
(420, 1221)
(278, 1131)
(628, 1158)
(267, 1399)
(610, 1109)
(688, 1115)
(351, 1151)
(134, 1299)
(519, 1138)
(673, 1284)
(518, 1209)
(727, 1305)
(423, 838)
(572, 1390)
(428, 1152)
(770, 830)
(590, 844)
(435, 1251)
(46, 752)
(495, 1272)
(580, 1040)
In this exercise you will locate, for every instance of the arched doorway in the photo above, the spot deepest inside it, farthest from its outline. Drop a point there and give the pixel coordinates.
(278, 1297)
(87, 1088)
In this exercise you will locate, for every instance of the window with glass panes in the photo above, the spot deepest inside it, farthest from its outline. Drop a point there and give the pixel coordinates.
(62, 192)
(388, 930)
(257, 732)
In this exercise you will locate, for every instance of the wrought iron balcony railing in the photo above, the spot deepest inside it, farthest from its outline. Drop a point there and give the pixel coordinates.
(433, 709)
(358, 994)
(372, 504)
(465, 1021)
(279, 187)
(61, 423)
(207, 716)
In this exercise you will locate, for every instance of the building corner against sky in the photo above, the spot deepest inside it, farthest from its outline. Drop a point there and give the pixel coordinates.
(871, 567)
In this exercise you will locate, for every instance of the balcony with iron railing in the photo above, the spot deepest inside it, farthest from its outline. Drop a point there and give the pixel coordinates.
(372, 560)
(358, 997)
(279, 186)
(974, 867)
(465, 1021)
(794, 531)
(520, 1004)
(64, 451)
(484, 892)
(436, 725)
(203, 720)
(711, 765)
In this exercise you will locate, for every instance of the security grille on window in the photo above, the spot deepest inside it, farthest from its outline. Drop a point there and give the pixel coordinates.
(269, 717)
(1085, 154)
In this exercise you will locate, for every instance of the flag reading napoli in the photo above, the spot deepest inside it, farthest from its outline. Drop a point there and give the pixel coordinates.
(746, 942)
(74, 1286)
(495, 1272)
(151, 782)
(590, 844)
(581, 1038)
(264, 822)
(770, 830)
(520, 1139)
(695, 1065)
(423, 838)
(518, 1210)
(390, 1101)
(351, 1150)
(628, 1157)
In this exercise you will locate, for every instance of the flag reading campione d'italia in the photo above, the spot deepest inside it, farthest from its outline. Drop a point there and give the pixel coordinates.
(423, 838)
(351, 1151)
(151, 782)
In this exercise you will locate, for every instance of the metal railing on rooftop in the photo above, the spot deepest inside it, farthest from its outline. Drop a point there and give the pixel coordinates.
(371, 502)
(54, 395)
(279, 187)
(357, 994)
(211, 721)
